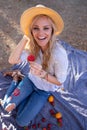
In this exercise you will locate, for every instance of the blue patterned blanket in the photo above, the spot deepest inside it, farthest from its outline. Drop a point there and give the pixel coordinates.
(71, 103)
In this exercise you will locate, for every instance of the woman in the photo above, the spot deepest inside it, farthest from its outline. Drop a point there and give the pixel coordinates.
(48, 72)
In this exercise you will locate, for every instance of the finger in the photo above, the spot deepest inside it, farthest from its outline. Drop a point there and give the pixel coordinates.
(35, 71)
(36, 66)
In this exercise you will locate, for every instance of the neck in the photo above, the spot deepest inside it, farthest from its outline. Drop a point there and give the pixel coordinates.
(44, 48)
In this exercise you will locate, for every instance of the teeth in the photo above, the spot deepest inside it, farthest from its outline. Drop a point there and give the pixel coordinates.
(41, 38)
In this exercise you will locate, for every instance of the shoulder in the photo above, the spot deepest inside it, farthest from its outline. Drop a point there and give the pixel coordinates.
(58, 50)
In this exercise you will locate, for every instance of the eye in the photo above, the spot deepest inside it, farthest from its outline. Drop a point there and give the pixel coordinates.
(35, 28)
(46, 28)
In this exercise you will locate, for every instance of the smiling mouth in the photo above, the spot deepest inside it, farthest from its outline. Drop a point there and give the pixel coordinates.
(42, 38)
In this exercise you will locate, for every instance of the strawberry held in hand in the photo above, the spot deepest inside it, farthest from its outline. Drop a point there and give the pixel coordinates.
(31, 58)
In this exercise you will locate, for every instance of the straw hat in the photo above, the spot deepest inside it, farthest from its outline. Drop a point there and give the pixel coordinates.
(29, 14)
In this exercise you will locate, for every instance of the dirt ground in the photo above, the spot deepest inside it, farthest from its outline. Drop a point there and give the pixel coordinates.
(74, 13)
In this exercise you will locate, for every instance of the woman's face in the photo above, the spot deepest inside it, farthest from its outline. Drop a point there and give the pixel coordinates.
(42, 31)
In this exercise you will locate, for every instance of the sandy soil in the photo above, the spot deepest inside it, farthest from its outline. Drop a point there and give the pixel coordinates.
(74, 13)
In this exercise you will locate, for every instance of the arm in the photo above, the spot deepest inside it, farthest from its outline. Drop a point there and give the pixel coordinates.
(36, 69)
(52, 79)
(60, 68)
(14, 58)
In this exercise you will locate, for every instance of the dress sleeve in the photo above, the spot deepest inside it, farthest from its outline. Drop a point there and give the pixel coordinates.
(24, 56)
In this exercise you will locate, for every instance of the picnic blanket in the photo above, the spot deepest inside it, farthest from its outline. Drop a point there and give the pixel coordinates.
(70, 102)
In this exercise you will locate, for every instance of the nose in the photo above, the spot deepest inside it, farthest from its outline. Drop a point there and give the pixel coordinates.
(40, 32)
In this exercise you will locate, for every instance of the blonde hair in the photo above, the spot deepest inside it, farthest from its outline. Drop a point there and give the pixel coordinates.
(34, 48)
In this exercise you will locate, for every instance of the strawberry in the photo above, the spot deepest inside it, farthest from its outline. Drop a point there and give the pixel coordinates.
(43, 119)
(31, 58)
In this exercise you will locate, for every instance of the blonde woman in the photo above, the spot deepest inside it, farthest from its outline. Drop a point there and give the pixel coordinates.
(48, 72)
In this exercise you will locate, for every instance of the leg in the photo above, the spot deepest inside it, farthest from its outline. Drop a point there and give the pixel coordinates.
(17, 76)
(23, 90)
(12, 86)
(32, 108)
(21, 105)
(9, 91)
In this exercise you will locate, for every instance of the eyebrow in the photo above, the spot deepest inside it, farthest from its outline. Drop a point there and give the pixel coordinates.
(43, 26)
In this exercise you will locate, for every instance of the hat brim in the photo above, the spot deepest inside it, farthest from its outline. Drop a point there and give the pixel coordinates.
(30, 13)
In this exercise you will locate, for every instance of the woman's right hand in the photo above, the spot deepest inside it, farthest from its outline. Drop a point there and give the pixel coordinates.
(35, 68)
(26, 38)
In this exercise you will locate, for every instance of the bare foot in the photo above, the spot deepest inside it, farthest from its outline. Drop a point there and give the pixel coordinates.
(10, 107)
(1, 102)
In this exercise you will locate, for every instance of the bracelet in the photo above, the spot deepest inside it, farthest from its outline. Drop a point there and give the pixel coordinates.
(45, 76)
